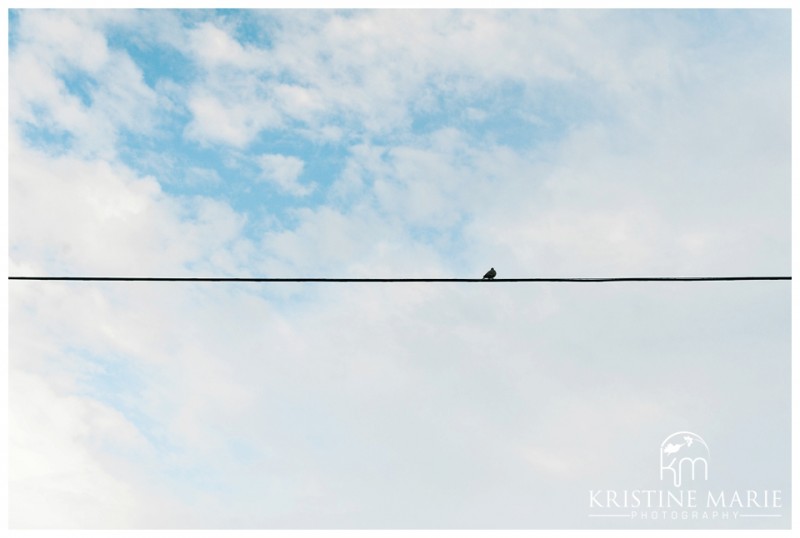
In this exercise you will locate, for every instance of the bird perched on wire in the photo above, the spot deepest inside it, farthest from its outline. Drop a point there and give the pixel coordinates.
(490, 274)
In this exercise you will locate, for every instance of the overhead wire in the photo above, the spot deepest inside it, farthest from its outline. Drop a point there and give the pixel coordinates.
(374, 280)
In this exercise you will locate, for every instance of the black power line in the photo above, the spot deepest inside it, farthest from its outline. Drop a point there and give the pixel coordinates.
(314, 279)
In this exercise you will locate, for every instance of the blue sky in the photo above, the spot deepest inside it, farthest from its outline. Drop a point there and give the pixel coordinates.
(517, 111)
(408, 143)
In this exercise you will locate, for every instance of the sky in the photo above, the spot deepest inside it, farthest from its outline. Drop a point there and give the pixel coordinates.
(393, 144)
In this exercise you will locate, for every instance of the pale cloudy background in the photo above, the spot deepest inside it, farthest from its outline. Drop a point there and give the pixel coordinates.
(392, 144)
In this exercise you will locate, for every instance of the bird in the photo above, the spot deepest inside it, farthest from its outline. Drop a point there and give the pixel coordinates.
(490, 274)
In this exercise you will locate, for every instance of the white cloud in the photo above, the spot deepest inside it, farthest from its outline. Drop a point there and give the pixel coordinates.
(225, 119)
(299, 102)
(55, 44)
(114, 222)
(284, 172)
(58, 459)
(215, 48)
(63, 36)
(370, 69)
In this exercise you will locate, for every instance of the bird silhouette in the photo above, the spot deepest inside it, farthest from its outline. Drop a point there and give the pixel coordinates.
(490, 274)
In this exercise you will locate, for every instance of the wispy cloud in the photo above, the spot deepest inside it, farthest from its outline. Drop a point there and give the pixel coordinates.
(69, 81)
(284, 172)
